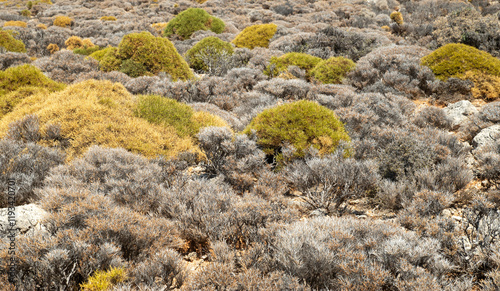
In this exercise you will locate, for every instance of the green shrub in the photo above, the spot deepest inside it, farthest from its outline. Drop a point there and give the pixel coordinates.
(87, 51)
(301, 124)
(108, 59)
(156, 54)
(104, 280)
(279, 65)
(333, 70)
(9, 43)
(454, 60)
(191, 20)
(164, 111)
(209, 45)
(11, 99)
(132, 68)
(25, 75)
(257, 35)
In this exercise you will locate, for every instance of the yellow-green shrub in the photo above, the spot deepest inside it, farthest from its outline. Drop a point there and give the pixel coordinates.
(52, 48)
(191, 20)
(301, 124)
(11, 99)
(104, 280)
(278, 65)
(25, 75)
(156, 54)
(108, 18)
(397, 17)
(257, 35)
(159, 27)
(9, 43)
(41, 26)
(165, 111)
(209, 45)
(485, 86)
(63, 21)
(15, 23)
(99, 113)
(108, 59)
(454, 60)
(73, 42)
(333, 70)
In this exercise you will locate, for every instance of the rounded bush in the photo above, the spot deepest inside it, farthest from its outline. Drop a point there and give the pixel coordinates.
(9, 43)
(63, 21)
(25, 75)
(191, 20)
(52, 48)
(108, 59)
(301, 124)
(397, 17)
(73, 42)
(156, 54)
(333, 70)
(108, 18)
(257, 35)
(454, 60)
(278, 65)
(100, 113)
(212, 46)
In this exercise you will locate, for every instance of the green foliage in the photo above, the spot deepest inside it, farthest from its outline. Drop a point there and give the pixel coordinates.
(87, 51)
(25, 75)
(108, 59)
(9, 43)
(454, 60)
(11, 99)
(191, 20)
(132, 68)
(301, 124)
(104, 280)
(333, 70)
(279, 65)
(156, 54)
(209, 45)
(257, 35)
(163, 111)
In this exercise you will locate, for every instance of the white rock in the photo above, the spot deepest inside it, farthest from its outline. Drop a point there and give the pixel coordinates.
(487, 135)
(459, 112)
(26, 217)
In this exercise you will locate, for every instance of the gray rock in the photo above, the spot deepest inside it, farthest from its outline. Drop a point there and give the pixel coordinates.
(459, 112)
(27, 218)
(487, 135)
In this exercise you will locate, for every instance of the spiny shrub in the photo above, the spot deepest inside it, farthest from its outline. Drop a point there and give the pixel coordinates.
(108, 18)
(9, 43)
(155, 54)
(25, 75)
(165, 111)
(15, 23)
(397, 17)
(53, 48)
(65, 66)
(212, 46)
(104, 280)
(191, 20)
(73, 42)
(301, 124)
(333, 70)
(99, 112)
(63, 21)
(279, 65)
(454, 60)
(257, 35)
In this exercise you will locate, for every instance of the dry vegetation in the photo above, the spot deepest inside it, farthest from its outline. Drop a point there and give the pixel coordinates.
(252, 145)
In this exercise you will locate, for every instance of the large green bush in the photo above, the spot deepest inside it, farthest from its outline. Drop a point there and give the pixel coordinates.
(279, 65)
(257, 35)
(191, 20)
(143, 54)
(209, 47)
(454, 60)
(301, 124)
(333, 70)
(9, 43)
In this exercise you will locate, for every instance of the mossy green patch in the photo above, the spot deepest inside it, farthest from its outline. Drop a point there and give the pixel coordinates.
(279, 65)
(26, 75)
(333, 70)
(257, 35)
(212, 46)
(191, 20)
(9, 43)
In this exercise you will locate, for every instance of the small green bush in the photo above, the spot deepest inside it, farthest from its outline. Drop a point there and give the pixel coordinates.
(9, 43)
(104, 280)
(156, 54)
(63, 21)
(87, 51)
(454, 60)
(257, 35)
(133, 69)
(333, 70)
(301, 124)
(209, 45)
(26, 75)
(279, 65)
(108, 59)
(191, 20)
